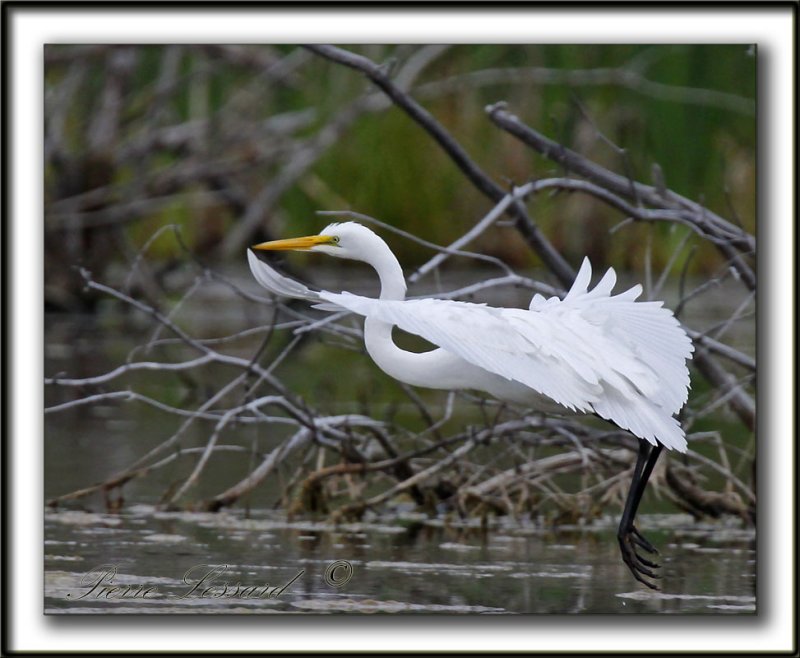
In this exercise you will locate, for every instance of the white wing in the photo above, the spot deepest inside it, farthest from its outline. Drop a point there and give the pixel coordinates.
(650, 332)
(589, 352)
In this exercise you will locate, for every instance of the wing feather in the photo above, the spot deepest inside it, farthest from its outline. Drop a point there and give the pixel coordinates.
(278, 283)
(590, 351)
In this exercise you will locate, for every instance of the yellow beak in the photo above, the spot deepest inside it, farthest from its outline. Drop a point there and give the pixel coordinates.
(295, 244)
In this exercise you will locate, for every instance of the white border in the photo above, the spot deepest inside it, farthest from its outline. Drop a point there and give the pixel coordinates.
(770, 28)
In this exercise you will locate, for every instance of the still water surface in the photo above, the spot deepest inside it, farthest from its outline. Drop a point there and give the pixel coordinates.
(144, 560)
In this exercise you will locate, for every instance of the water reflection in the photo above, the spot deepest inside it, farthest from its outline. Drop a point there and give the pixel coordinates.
(144, 560)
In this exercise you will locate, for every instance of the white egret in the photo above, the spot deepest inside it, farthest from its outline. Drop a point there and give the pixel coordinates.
(590, 352)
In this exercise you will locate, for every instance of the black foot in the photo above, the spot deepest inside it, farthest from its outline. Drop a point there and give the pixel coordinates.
(640, 567)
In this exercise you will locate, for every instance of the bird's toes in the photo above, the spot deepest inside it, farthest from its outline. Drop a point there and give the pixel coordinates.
(647, 572)
(641, 567)
(642, 541)
(646, 562)
(642, 580)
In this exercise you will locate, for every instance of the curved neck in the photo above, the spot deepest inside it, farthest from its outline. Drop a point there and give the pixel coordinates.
(432, 369)
(377, 333)
(393, 283)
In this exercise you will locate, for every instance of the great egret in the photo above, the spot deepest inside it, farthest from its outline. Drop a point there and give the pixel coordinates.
(590, 352)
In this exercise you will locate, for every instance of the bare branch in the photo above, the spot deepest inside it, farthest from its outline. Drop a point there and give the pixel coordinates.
(456, 152)
(624, 76)
(727, 236)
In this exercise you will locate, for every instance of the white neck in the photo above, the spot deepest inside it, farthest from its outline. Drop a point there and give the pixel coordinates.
(433, 369)
(378, 334)
(393, 283)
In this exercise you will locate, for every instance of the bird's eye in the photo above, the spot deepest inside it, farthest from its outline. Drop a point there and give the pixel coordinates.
(335, 239)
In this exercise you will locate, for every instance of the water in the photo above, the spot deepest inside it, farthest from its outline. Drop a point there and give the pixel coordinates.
(142, 559)
(148, 561)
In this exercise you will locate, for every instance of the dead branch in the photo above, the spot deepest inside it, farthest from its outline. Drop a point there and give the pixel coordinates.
(455, 151)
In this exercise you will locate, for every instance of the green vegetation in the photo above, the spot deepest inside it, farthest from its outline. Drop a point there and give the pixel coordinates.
(190, 135)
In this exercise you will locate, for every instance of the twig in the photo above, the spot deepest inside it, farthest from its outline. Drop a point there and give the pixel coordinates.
(474, 174)
(727, 236)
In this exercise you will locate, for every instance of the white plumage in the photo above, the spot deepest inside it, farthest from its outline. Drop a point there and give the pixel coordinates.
(590, 352)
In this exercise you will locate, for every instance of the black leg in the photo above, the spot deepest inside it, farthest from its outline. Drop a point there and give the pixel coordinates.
(627, 534)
